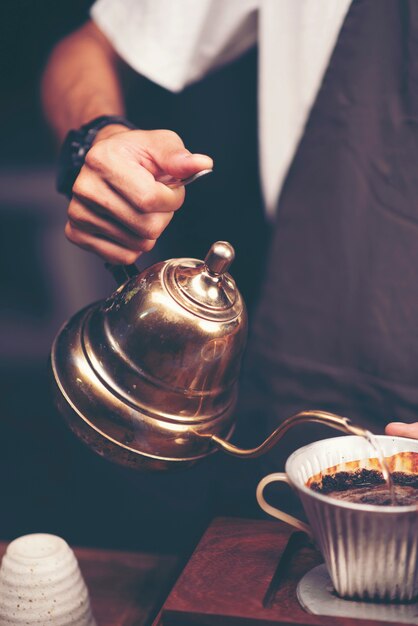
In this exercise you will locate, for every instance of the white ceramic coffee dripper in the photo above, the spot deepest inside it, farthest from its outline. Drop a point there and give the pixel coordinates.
(41, 583)
(371, 551)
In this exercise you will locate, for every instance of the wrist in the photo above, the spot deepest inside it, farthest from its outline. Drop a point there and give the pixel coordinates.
(78, 143)
(109, 130)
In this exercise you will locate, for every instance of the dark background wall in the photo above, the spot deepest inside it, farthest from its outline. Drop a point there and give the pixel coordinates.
(49, 482)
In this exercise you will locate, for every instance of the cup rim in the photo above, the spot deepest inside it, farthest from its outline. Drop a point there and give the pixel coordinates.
(371, 508)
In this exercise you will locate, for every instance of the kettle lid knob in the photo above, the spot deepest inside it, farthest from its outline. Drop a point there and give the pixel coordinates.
(205, 288)
(219, 258)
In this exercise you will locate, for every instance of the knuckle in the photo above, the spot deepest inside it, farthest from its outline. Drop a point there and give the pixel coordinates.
(149, 201)
(170, 135)
(71, 233)
(147, 245)
(95, 156)
(150, 232)
(153, 225)
(78, 186)
(75, 214)
(81, 185)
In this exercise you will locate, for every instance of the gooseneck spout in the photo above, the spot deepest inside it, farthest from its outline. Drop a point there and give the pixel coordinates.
(328, 419)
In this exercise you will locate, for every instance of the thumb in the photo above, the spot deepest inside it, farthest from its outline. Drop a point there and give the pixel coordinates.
(399, 429)
(181, 163)
(172, 158)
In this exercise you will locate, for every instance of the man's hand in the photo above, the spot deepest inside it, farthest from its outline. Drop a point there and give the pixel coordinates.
(119, 209)
(399, 429)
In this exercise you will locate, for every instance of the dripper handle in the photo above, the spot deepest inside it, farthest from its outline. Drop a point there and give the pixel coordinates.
(122, 273)
(272, 510)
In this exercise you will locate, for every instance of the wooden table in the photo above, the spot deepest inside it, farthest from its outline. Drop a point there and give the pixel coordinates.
(126, 588)
(226, 579)
(223, 584)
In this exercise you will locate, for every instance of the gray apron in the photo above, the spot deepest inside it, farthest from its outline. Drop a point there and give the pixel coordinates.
(337, 323)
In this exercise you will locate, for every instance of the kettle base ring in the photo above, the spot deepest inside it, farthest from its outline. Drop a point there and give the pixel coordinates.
(117, 452)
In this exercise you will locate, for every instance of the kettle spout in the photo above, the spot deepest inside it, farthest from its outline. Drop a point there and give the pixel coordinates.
(321, 417)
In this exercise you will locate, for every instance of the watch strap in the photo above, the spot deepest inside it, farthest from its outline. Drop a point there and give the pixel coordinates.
(75, 147)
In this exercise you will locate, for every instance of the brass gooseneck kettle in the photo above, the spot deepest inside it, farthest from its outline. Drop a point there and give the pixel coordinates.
(148, 378)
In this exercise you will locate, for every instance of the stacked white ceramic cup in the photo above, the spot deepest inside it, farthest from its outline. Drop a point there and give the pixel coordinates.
(41, 583)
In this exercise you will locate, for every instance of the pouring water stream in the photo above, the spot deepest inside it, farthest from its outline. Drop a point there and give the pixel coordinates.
(374, 443)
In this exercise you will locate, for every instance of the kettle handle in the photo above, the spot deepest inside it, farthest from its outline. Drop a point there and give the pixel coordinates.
(328, 419)
(122, 273)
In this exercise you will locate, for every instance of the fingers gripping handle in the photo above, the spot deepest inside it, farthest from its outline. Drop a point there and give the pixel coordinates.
(123, 273)
(277, 513)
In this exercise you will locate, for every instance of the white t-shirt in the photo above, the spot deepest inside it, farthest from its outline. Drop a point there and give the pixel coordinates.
(176, 42)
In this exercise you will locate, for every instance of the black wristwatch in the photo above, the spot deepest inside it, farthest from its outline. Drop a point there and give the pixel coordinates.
(75, 147)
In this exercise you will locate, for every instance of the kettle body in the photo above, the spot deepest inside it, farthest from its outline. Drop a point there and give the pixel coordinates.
(149, 377)
(146, 377)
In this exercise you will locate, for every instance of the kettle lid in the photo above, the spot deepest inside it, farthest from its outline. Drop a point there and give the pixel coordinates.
(206, 288)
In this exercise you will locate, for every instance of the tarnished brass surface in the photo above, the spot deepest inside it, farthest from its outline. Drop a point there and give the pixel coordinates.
(155, 366)
(148, 378)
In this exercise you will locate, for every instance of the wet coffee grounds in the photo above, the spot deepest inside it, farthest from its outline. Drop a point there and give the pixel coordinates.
(368, 487)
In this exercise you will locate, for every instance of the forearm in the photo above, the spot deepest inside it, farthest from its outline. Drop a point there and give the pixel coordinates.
(118, 205)
(81, 81)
